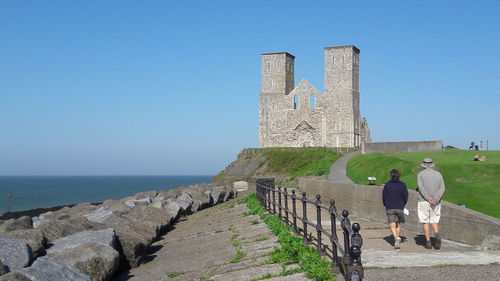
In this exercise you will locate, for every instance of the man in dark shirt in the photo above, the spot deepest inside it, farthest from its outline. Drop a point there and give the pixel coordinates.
(395, 197)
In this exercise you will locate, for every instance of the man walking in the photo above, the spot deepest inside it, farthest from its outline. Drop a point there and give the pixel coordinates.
(395, 197)
(430, 190)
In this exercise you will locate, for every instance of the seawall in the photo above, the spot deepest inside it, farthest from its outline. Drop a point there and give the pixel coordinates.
(403, 146)
(457, 223)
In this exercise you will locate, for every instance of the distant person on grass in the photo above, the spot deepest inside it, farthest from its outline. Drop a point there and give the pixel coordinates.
(430, 190)
(395, 197)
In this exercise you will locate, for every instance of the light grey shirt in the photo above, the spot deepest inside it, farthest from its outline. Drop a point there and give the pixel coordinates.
(430, 185)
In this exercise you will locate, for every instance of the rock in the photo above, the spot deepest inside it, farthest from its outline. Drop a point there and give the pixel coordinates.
(132, 238)
(104, 237)
(54, 230)
(99, 215)
(218, 193)
(133, 202)
(14, 276)
(98, 261)
(21, 223)
(185, 201)
(198, 194)
(169, 194)
(144, 194)
(14, 253)
(33, 237)
(50, 269)
(41, 219)
(151, 220)
(158, 204)
(3, 270)
(172, 209)
(92, 252)
(240, 185)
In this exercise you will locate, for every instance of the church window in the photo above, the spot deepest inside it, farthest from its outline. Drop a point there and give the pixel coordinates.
(312, 102)
(268, 66)
(296, 104)
(273, 82)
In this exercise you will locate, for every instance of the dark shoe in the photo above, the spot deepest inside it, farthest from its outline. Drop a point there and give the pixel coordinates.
(437, 244)
(428, 245)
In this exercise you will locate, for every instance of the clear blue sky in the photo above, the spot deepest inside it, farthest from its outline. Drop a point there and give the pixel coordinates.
(172, 87)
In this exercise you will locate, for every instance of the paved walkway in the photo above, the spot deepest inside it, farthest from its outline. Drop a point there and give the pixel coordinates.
(338, 168)
(220, 244)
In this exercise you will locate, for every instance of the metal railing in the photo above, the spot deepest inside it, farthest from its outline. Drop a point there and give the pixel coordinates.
(346, 256)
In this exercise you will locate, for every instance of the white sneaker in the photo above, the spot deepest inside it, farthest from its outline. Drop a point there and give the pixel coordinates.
(397, 243)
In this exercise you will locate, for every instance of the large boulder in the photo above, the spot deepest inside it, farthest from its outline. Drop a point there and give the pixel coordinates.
(54, 230)
(92, 252)
(3, 270)
(14, 253)
(14, 276)
(172, 209)
(50, 269)
(218, 194)
(33, 237)
(21, 223)
(132, 238)
(185, 201)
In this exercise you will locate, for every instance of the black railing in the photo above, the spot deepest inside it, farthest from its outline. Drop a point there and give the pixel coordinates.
(346, 257)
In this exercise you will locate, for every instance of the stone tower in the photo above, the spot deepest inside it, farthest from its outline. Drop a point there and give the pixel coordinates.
(342, 86)
(277, 73)
(299, 115)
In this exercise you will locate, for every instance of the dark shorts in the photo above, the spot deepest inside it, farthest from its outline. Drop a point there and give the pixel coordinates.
(395, 215)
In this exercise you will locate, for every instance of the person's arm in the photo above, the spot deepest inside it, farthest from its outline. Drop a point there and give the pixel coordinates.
(441, 189)
(421, 188)
(405, 194)
(384, 195)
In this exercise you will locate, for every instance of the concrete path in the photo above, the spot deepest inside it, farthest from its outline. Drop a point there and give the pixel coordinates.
(338, 168)
(220, 244)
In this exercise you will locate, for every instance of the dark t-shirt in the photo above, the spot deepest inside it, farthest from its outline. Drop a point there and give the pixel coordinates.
(395, 195)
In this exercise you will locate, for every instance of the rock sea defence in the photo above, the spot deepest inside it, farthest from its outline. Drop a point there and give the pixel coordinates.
(95, 242)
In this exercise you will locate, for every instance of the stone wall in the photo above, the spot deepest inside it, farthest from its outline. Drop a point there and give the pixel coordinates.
(457, 223)
(403, 146)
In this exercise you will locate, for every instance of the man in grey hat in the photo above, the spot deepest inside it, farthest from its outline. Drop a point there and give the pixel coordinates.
(430, 190)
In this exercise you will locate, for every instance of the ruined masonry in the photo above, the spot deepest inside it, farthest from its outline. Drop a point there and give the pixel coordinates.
(301, 116)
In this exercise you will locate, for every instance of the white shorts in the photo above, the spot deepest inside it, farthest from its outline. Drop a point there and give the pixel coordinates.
(428, 213)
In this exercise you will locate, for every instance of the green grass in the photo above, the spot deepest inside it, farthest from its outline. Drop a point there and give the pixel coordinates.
(314, 161)
(292, 248)
(174, 274)
(476, 184)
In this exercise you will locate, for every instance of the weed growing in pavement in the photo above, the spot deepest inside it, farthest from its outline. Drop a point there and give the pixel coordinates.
(292, 248)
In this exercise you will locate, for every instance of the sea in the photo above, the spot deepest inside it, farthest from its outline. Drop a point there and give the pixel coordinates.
(18, 193)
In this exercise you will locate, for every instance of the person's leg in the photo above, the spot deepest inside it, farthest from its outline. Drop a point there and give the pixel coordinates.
(427, 232)
(435, 227)
(398, 229)
(394, 230)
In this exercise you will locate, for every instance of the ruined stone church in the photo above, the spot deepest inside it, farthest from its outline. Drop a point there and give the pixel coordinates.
(301, 116)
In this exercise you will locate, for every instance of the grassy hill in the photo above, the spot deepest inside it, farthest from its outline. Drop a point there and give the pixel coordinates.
(284, 163)
(476, 184)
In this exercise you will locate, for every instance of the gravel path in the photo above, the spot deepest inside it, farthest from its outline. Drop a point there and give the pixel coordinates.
(338, 169)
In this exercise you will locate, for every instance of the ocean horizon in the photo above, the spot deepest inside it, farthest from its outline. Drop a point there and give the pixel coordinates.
(19, 193)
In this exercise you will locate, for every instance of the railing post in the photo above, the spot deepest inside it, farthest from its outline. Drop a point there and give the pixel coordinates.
(279, 201)
(345, 225)
(356, 239)
(334, 238)
(355, 270)
(274, 199)
(318, 221)
(287, 222)
(268, 205)
(304, 218)
(294, 210)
